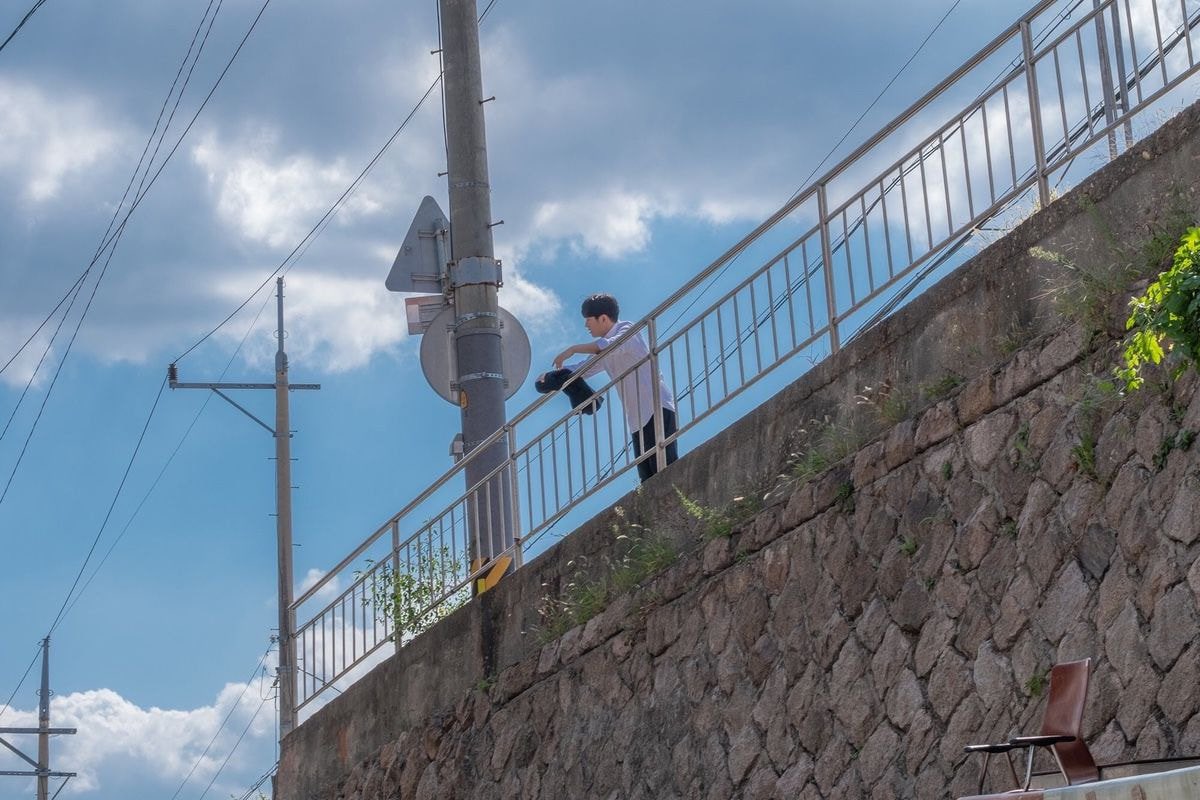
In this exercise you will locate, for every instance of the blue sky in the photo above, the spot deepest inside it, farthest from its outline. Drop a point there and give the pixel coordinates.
(629, 145)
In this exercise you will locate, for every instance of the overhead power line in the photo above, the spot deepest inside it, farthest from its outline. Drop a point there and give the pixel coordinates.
(827, 156)
(112, 238)
(236, 745)
(21, 24)
(327, 217)
(320, 225)
(254, 787)
(162, 470)
(221, 727)
(137, 170)
(8, 704)
(108, 515)
(37, 367)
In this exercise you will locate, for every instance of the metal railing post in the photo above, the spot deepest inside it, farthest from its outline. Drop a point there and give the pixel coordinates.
(660, 453)
(1110, 102)
(396, 634)
(515, 507)
(1119, 49)
(1035, 114)
(294, 677)
(827, 266)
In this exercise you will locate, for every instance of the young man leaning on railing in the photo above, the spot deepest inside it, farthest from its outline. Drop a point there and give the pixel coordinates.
(601, 317)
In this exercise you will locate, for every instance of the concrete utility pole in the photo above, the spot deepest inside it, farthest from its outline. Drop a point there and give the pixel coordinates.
(42, 766)
(283, 530)
(474, 279)
(43, 780)
(286, 672)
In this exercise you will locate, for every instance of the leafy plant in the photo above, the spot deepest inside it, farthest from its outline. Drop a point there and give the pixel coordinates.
(1167, 312)
(936, 390)
(1024, 456)
(719, 522)
(590, 590)
(1084, 454)
(908, 546)
(828, 443)
(1037, 682)
(1013, 338)
(889, 402)
(1097, 392)
(421, 591)
(843, 498)
(1009, 528)
(1083, 292)
(646, 556)
(1179, 441)
(947, 470)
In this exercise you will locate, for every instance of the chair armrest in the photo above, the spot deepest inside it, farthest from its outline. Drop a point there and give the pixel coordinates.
(1002, 747)
(1040, 741)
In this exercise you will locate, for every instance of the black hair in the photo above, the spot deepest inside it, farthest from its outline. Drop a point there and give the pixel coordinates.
(601, 304)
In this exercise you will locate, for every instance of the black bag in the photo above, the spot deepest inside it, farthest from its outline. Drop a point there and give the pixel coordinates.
(578, 390)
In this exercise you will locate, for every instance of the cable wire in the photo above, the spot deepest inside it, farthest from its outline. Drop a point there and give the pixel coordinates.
(878, 97)
(21, 24)
(108, 515)
(486, 11)
(104, 239)
(221, 727)
(183, 64)
(258, 783)
(114, 238)
(233, 750)
(321, 223)
(72, 289)
(827, 156)
(37, 368)
(53, 381)
(20, 683)
(170, 459)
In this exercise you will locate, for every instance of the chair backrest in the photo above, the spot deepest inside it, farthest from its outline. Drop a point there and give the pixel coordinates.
(1064, 716)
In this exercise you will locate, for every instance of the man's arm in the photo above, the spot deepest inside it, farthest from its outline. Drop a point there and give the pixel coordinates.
(582, 349)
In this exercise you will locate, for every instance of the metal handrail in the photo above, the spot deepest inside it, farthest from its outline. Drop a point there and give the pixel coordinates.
(428, 559)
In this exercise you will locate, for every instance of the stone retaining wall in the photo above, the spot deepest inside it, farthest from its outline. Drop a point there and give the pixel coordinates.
(828, 652)
(851, 637)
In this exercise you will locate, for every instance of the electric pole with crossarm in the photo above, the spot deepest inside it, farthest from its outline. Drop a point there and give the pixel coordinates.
(282, 433)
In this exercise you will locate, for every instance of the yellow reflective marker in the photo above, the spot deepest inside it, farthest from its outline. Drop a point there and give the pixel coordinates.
(494, 575)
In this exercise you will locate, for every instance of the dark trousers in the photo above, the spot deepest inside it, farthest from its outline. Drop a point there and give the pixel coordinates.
(645, 441)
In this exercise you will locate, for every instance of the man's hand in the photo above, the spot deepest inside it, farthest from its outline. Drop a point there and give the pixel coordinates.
(562, 357)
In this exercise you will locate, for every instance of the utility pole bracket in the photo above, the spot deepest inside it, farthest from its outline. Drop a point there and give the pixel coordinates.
(475, 269)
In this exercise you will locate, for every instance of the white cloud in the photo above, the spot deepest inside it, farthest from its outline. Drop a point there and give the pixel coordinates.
(312, 578)
(333, 323)
(117, 739)
(44, 139)
(276, 199)
(336, 323)
(607, 159)
(12, 335)
(535, 306)
(612, 225)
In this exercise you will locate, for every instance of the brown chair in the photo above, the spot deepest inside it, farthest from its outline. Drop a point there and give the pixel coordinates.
(1062, 726)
